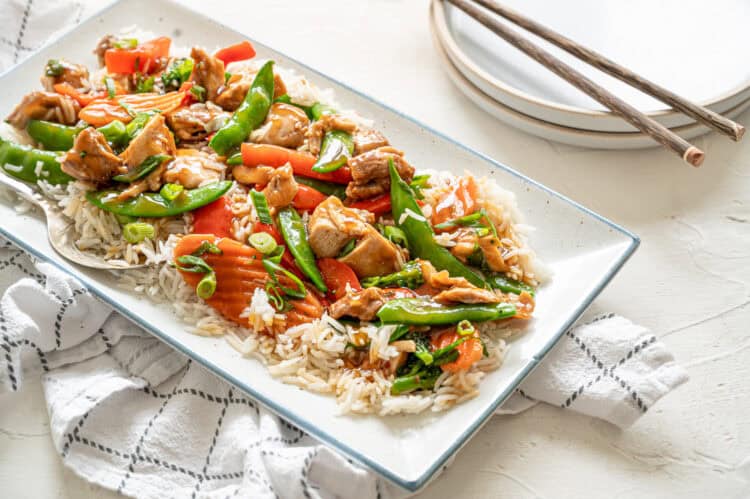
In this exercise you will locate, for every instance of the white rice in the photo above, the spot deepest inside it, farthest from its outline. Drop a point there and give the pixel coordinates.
(308, 355)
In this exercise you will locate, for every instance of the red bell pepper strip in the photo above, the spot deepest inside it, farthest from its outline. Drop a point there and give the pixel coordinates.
(377, 205)
(237, 52)
(302, 163)
(337, 275)
(141, 59)
(214, 218)
(307, 198)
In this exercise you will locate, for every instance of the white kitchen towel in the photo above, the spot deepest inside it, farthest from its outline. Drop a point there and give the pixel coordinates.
(129, 413)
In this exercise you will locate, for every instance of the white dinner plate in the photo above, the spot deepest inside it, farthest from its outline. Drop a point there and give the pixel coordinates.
(559, 133)
(583, 250)
(687, 46)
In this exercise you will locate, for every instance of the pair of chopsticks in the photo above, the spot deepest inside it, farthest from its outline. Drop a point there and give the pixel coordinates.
(661, 134)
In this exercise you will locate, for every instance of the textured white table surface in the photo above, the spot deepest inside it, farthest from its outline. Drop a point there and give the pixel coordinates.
(688, 282)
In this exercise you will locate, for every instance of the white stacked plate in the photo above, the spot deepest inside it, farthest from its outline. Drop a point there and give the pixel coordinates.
(692, 47)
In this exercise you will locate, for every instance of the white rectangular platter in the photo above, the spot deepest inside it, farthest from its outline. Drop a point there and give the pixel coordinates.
(583, 250)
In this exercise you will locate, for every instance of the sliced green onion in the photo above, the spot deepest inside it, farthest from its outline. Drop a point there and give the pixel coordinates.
(424, 356)
(206, 286)
(124, 219)
(177, 73)
(273, 268)
(135, 232)
(277, 299)
(263, 242)
(207, 247)
(144, 85)
(261, 207)
(227, 75)
(348, 248)
(198, 92)
(170, 192)
(465, 328)
(54, 68)
(446, 358)
(125, 43)
(109, 83)
(149, 164)
(235, 159)
(194, 264)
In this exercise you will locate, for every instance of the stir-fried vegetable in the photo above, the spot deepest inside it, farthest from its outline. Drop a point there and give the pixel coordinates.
(53, 136)
(377, 205)
(31, 165)
(148, 165)
(295, 236)
(263, 242)
(249, 115)
(338, 277)
(409, 217)
(467, 350)
(302, 163)
(116, 134)
(214, 218)
(327, 188)
(125, 107)
(410, 276)
(54, 68)
(140, 59)
(395, 235)
(261, 207)
(177, 73)
(239, 272)
(424, 312)
(238, 52)
(318, 109)
(135, 232)
(153, 205)
(171, 191)
(336, 149)
(307, 198)
(508, 285)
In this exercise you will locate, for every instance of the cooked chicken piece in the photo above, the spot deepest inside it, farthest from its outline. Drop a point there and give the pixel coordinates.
(285, 126)
(367, 139)
(370, 175)
(208, 72)
(194, 123)
(46, 106)
(249, 175)
(360, 304)
(74, 74)
(232, 95)
(365, 304)
(104, 44)
(374, 255)
(467, 243)
(493, 253)
(327, 122)
(281, 187)
(155, 138)
(466, 295)
(192, 168)
(332, 225)
(440, 280)
(91, 159)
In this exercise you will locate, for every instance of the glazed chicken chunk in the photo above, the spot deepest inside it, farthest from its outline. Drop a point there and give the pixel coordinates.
(62, 71)
(370, 175)
(192, 168)
(91, 159)
(281, 187)
(46, 106)
(285, 126)
(208, 72)
(195, 122)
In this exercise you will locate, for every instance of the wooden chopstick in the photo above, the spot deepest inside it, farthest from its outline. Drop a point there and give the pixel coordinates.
(716, 121)
(655, 130)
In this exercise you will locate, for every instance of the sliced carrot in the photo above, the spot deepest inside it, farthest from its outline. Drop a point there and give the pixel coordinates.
(302, 163)
(66, 88)
(141, 59)
(103, 111)
(469, 352)
(239, 272)
(460, 200)
(237, 52)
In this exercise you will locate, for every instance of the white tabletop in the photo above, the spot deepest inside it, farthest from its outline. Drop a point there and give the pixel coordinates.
(688, 281)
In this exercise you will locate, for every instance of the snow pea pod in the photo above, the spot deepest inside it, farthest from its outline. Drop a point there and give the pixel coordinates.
(508, 285)
(53, 136)
(295, 237)
(154, 205)
(31, 165)
(251, 113)
(417, 311)
(409, 218)
(336, 149)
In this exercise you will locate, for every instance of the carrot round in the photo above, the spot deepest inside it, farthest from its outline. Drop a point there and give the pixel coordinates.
(469, 352)
(458, 201)
(239, 272)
